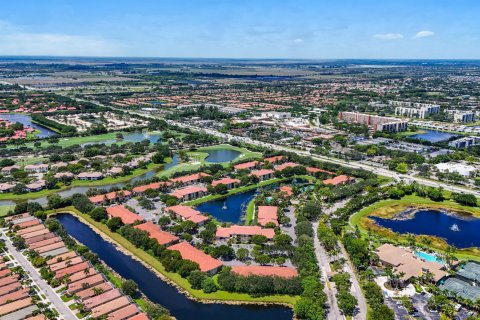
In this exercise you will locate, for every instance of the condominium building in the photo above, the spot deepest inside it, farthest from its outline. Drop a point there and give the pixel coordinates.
(464, 117)
(464, 142)
(414, 109)
(377, 123)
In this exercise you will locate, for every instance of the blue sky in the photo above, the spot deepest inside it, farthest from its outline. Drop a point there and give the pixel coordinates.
(321, 29)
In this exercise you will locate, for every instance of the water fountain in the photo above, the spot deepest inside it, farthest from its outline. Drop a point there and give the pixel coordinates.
(454, 227)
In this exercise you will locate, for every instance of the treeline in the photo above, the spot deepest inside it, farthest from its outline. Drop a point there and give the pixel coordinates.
(63, 129)
(311, 305)
(258, 285)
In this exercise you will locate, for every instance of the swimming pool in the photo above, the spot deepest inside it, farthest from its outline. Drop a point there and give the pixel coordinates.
(430, 257)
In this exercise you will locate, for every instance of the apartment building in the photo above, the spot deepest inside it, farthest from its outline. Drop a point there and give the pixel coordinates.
(377, 123)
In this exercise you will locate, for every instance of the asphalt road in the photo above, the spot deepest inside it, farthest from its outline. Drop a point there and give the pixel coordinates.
(51, 295)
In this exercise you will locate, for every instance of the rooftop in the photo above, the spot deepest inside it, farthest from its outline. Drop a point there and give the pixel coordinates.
(189, 252)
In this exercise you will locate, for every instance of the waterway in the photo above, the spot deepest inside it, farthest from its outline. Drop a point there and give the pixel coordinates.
(462, 232)
(433, 136)
(161, 292)
(222, 155)
(27, 121)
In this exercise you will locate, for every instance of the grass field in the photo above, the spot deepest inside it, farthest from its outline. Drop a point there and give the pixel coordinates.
(66, 142)
(388, 208)
(4, 210)
(176, 278)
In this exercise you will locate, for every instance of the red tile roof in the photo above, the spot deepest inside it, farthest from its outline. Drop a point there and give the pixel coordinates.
(123, 313)
(50, 247)
(315, 170)
(274, 159)
(140, 316)
(283, 272)
(16, 295)
(225, 181)
(72, 269)
(244, 231)
(102, 298)
(109, 196)
(45, 242)
(286, 165)
(87, 293)
(287, 190)
(189, 252)
(246, 165)
(342, 179)
(124, 214)
(27, 224)
(180, 193)
(187, 213)
(155, 232)
(189, 178)
(267, 214)
(62, 257)
(89, 281)
(15, 305)
(261, 173)
(154, 186)
(110, 306)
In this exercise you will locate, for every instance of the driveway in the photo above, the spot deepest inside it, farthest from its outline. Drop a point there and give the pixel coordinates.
(290, 229)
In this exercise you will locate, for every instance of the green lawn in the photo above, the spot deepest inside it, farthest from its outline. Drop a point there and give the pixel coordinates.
(250, 212)
(4, 210)
(66, 142)
(176, 278)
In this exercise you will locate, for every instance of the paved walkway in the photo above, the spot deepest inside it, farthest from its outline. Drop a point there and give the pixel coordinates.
(51, 295)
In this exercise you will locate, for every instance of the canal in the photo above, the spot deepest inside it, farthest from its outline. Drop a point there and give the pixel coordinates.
(159, 291)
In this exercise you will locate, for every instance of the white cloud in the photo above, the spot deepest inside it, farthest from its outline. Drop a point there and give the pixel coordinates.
(17, 41)
(298, 40)
(423, 34)
(388, 36)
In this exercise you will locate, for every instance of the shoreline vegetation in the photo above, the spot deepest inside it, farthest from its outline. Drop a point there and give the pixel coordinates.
(390, 208)
(173, 279)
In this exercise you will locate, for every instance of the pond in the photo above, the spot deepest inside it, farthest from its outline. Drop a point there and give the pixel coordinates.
(159, 291)
(222, 155)
(230, 209)
(27, 121)
(129, 137)
(458, 231)
(433, 136)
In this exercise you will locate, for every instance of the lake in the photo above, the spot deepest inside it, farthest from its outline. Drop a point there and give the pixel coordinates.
(222, 155)
(229, 209)
(433, 136)
(159, 291)
(439, 224)
(27, 121)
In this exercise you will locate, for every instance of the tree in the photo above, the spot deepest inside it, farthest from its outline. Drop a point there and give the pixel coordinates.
(130, 287)
(155, 311)
(209, 285)
(55, 201)
(347, 302)
(114, 223)
(242, 254)
(99, 214)
(196, 279)
(402, 167)
(186, 267)
(311, 210)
